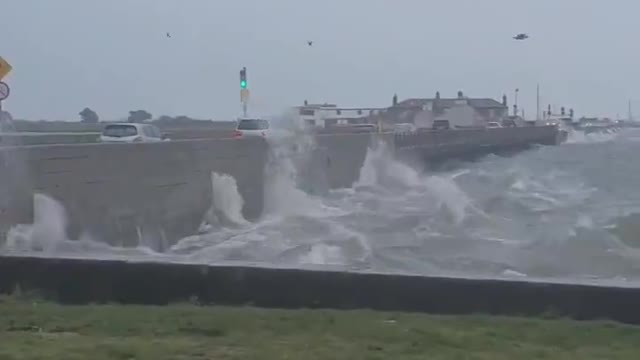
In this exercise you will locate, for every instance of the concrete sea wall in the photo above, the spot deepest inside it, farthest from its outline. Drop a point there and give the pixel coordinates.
(124, 194)
(91, 281)
(24, 139)
(52, 138)
(76, 126)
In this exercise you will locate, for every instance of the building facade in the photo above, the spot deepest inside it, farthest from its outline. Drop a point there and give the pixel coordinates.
(328, 115)
(460, 112)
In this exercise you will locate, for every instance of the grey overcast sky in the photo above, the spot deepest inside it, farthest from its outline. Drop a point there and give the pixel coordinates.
(113, 55)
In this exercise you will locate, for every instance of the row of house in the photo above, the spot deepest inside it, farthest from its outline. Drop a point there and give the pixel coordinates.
(460, 112)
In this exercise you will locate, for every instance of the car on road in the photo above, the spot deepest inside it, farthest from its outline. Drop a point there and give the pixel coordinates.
(493, 125)
(404, 128)
(252, 128)
(441, 125)
(131, 133)
(509, 122)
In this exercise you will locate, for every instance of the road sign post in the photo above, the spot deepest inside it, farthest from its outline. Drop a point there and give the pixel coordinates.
(244, 99)
(5, 69)
(4, 91)
(4, 94)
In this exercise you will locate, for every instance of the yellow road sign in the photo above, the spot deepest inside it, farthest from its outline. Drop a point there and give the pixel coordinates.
(244, 95)
(5, 68)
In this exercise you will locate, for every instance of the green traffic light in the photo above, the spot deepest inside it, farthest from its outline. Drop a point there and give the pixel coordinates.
(243, 84)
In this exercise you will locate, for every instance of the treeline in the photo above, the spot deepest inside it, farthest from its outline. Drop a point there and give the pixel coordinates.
(89, 116)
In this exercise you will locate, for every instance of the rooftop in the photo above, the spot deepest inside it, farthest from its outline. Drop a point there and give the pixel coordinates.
(482, 103)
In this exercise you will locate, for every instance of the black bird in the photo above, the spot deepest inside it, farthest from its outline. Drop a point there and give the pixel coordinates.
(169, 35)
(521, 37)
(310, 43)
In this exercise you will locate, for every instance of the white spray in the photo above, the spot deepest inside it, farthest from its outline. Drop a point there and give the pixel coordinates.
(47, 231)
(227, 200)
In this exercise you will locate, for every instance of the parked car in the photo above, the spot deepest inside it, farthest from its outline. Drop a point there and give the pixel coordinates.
(509, 123)
(131, 133)
(493, 125)
(440, 125)
(404, 128)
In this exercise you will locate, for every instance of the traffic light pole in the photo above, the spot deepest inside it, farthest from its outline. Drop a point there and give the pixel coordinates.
(244, 91)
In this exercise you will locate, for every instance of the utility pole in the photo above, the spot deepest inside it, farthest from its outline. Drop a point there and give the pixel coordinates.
(538, 102)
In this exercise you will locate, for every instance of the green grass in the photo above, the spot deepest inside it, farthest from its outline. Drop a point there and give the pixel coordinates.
(39, 330)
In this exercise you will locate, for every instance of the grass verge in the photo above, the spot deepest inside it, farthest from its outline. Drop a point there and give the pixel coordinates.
(41, 330)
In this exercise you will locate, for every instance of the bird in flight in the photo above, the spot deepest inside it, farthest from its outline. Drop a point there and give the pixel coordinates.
(521, 37)
(169, 35)
(310, 43)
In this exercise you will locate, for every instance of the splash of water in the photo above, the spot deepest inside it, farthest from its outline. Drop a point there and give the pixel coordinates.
(227, 200)
(284, 194)
(450, 196)
(580, 137)
(382, 169)
(47, 231)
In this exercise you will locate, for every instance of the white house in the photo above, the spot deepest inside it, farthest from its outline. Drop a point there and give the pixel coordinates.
(327, 115)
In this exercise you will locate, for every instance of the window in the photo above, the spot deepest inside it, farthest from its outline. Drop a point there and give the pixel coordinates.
(120, 130)
(307, 112)
(359, 112)
(310, 122)
(253, 124)
(339, 112)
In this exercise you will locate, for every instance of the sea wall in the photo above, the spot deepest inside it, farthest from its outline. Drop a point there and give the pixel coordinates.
(431, 145)
(53, 138)
(99, 281)
(157, 193)
(128, 192)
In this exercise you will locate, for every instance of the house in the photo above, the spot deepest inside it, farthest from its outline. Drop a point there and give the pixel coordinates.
(326, 115)
(460, 111)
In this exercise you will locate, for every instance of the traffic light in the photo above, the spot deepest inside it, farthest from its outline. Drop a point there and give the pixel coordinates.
(243, 78)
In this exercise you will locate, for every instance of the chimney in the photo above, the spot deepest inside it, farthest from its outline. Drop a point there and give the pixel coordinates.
(504, 100)
(460, 94)
(395, 99)
(306, 102)
(437, 95)
(562, 111)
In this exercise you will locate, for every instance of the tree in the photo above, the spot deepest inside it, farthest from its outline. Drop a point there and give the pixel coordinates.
(138, 116)
(164, 119)
(89, 116)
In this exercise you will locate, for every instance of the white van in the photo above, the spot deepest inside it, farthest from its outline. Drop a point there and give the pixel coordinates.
(131, 133)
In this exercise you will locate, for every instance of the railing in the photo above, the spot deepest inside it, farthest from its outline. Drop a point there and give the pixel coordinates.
(478, 137)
